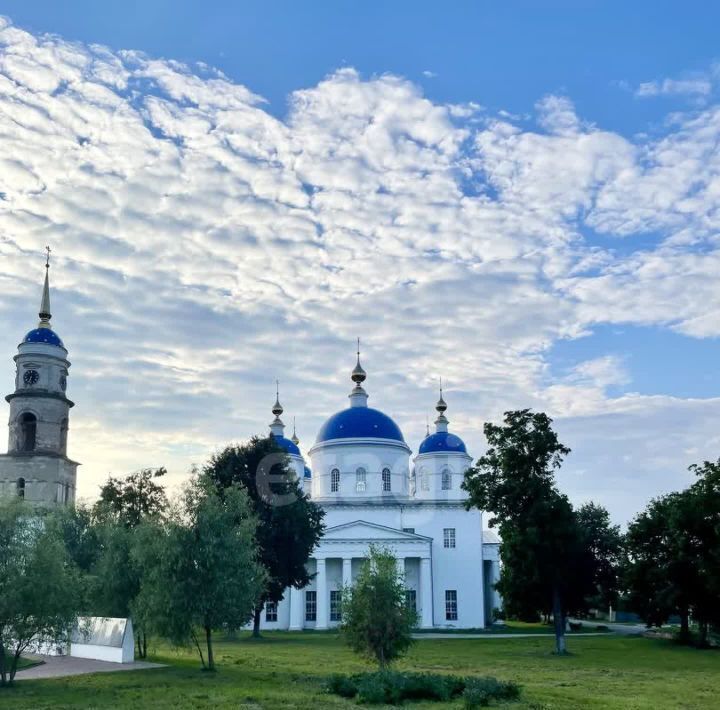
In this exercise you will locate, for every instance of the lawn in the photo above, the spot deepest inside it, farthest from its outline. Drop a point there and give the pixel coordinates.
(287, 670)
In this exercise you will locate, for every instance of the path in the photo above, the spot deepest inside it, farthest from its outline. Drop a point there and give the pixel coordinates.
(507, 636)
(60, 666)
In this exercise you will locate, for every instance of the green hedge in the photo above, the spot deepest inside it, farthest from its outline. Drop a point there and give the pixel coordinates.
(393, 688)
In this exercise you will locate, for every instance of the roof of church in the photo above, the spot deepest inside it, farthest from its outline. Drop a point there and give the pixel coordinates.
(286, 444)
(43, 335)
(360, 422)
(442, 441)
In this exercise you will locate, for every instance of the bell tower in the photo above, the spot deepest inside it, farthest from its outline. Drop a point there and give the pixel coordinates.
(36, 466)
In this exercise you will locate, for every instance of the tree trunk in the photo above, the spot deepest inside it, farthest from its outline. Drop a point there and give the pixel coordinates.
(144, 648)
(3, 674)
(13, 666)
(559, 623)
(256, 622)
(211, 658)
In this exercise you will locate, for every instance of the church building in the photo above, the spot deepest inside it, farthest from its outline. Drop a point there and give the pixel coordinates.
(36, 466)
(361, 474)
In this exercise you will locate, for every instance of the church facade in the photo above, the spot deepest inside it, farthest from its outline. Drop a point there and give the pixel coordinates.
(36, 466)
(373, 491)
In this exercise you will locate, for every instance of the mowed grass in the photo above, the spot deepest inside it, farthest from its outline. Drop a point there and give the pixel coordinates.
(287, 671)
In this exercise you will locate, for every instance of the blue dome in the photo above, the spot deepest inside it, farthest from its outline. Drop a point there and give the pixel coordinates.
(286, 444)
(308, 472)
(43, 335)
(361, 423)
(443, 441)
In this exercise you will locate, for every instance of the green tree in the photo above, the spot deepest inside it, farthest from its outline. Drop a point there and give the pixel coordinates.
(673, 562)
(603, 550)
(376, 620)
(132, 499)
(200, 567)
(289, 524)
(39, 584)
(541, 547)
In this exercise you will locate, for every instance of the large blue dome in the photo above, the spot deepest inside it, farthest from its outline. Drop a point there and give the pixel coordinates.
(360, 423)
(442, 441)
(43, 335)
(286, 444)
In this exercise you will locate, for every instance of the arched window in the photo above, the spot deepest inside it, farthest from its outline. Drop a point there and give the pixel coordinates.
(28, 431)
(386, 481)
(63, 435)
(446, 479)
(334, 481)
(360, 480)
(20, 487)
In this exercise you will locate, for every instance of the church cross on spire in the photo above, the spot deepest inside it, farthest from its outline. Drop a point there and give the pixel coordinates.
(45, 314)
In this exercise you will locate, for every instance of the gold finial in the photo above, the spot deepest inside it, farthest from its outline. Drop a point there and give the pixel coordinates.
(294, 439)
(358, 374)
(277, 409)
(427, 425)
(47, 258)
(44, 313)
(441, 406)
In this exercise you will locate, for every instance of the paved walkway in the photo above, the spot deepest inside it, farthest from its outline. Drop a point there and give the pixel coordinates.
(60, 666)
(506, 636)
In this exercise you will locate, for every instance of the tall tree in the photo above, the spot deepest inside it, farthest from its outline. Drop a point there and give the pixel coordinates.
(541, 539)
(39, 585)
(123, 505)
(200, 566)
(376, 620)
(289, 524)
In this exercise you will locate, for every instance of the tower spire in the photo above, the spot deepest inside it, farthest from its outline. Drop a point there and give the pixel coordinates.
(358, 396)
(277, 427)
(45, 314)
(294, 438)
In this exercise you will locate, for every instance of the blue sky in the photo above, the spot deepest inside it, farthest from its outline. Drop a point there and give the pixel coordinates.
(527, 193)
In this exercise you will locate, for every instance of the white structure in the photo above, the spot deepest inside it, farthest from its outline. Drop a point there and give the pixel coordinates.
(361, 476)
(103, 639)
(36, 466)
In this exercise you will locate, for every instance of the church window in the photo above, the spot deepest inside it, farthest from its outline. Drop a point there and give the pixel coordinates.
(334, 481)
(386, 481)
(451, 605)
(424, 481)
(28, 431)
(311, 606)
(20, 487)
(409, 530)
(360, 480)
(271, 611)
(448, 537)
(446, 480)
(411, 599)
(335, 605)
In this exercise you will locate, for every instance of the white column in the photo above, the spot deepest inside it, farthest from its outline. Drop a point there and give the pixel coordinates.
(426, 595)
(297, 609)
(347, 572)
(322, 595)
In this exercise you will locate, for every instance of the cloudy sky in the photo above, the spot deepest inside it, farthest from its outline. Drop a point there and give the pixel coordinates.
(523, 202)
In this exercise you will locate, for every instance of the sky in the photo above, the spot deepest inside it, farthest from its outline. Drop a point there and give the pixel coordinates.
(520, 197)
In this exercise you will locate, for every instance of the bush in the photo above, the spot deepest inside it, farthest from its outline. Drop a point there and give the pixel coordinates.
(480, 691)
(393, 688)
(575, 625)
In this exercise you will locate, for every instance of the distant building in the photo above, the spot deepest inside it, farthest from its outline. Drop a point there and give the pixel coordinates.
(36, 466)
(362, 477)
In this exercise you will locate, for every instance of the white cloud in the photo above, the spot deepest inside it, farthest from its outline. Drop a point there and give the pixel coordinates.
(674, 87)
(205, 247)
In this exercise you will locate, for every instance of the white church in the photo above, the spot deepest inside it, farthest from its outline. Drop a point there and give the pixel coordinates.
(362, 473)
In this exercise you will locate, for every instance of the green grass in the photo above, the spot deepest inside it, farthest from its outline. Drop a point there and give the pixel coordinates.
(287, 671)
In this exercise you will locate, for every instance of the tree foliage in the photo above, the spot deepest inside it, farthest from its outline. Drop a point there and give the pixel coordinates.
(39, 585)
(673, 555)
(376, 620)
(544, 556)
(200, 567)
(132, 499)
(289, 524)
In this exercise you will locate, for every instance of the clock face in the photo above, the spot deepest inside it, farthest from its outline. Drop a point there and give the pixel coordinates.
(31, 377)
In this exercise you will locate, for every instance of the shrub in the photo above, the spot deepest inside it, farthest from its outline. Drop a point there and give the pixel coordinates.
(480, 691)
(575, 625)
(393, 688)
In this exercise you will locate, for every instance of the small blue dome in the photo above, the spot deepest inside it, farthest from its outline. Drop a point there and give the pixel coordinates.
(308, 472)
(286, 444)
(360, 423)
(443, 441)
(43, 335)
